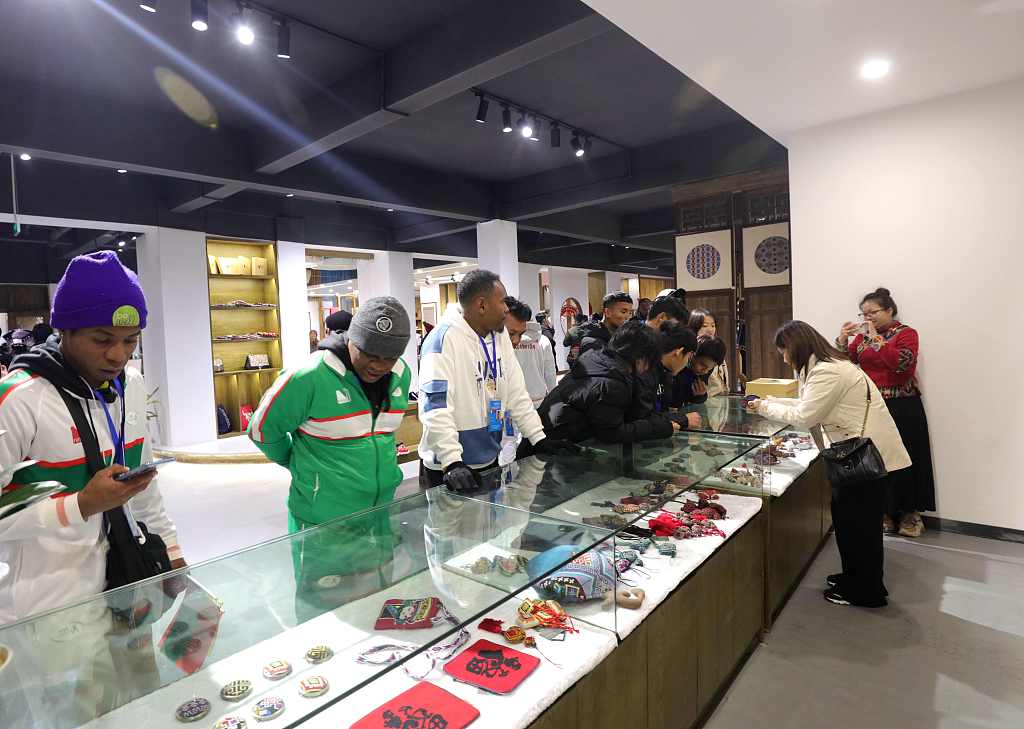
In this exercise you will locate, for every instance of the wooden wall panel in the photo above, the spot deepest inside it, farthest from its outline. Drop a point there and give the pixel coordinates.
(766, 310)
(672, 661)
(649, 287)
(721, 303)
(614, 695)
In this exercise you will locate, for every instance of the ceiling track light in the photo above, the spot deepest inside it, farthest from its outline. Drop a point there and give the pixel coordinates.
(200, 15)
(587, 144)
(525, 130)
(535, 129)
(149, 6)
(506, 119)
(577, 147)
(25, 157)
(244, 33)
(284, 40)
(481, 109)
(556, 135)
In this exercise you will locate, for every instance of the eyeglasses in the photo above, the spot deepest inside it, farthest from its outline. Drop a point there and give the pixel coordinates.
(869, 313)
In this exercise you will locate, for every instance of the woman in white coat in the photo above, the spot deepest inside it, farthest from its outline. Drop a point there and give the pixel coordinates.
(834, 394)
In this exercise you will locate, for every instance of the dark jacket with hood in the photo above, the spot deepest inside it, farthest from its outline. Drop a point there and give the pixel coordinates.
(596, 400)
(594, 335)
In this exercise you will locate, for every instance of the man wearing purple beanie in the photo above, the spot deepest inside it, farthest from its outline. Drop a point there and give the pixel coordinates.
(57, 548)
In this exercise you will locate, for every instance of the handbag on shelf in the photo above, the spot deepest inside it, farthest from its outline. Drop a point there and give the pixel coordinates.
(257, 361)
(853, 460)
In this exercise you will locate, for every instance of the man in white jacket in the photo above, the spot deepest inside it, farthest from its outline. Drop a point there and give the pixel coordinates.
(469, 378)
(533, 350)
(55, 550)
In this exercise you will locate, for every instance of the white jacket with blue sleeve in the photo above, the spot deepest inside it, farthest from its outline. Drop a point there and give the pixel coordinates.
(453, 396)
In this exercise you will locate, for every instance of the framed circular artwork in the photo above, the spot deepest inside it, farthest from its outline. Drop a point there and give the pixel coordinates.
(567, 314)
(703, 261)
(772, 254)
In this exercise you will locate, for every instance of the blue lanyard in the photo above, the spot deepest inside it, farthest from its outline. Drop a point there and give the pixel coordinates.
(492, 359)
(117, 438)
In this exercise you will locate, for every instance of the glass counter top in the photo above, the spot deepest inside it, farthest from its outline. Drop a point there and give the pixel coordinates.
(726, 414)
(346, 601)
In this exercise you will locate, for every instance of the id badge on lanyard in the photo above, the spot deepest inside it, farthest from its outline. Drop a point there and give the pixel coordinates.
(494, 410)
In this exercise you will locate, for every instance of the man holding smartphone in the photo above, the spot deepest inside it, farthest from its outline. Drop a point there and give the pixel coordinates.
(56, 548)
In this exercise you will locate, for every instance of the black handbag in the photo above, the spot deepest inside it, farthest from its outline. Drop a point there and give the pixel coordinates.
(854, 460)
(129, 559)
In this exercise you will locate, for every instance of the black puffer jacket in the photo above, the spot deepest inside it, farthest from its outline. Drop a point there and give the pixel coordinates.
(595, 335)
(597, 400)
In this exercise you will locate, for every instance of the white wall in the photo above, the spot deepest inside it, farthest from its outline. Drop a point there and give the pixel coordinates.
(391, 274)
(565, 282)
(293, 296)
(921, 200)
(172, 270)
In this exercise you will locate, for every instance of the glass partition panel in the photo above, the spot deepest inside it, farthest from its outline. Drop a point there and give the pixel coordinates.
(298, 622)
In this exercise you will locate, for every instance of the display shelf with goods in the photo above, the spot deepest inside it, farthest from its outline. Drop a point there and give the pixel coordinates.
(348, 602)
(245, 326)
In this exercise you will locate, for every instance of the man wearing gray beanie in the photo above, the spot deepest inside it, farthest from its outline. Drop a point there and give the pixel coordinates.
(332, 421)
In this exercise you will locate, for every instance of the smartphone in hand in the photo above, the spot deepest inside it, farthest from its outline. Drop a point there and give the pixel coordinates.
(142, 470)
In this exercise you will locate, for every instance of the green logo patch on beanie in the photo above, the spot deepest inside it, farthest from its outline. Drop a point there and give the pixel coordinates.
(126, 316)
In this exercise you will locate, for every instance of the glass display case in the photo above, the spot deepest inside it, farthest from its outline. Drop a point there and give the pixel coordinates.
(726, 414)
(333, 607)
(378, 601)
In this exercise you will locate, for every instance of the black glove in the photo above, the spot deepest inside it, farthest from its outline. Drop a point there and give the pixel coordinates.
(556, 447)
(680, 418)
(460, 478)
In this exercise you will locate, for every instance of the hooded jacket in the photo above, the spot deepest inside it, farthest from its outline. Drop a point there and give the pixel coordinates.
(453, 395)
(538, 364)
(56, 555)
(597, 400)
(594, 335)
(338, 443)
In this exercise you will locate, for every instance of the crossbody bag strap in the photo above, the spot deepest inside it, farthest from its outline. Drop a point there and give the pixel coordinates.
(93, 457)
(867, 407)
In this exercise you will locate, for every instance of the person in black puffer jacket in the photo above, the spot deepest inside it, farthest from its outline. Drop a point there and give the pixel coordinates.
(596, 399)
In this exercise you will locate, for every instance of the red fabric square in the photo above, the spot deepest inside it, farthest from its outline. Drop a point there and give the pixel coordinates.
(424, 705)
(495, 668)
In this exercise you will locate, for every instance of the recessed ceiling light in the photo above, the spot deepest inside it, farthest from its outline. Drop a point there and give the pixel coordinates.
(149, 6)
(24, 156)
(122, 172)
(874, 69)
(290, 194)
(121, 244)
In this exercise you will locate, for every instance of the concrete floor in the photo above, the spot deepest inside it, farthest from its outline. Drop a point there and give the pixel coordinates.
(947, 652)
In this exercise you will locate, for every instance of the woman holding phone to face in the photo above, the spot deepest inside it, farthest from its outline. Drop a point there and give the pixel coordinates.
(887, 351)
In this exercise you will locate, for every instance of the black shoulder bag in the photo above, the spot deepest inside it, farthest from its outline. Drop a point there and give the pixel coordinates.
(854, 460)
(128, 559)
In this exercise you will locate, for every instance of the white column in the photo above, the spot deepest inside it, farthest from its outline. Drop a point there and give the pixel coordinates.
(176, 343)
(529, 286)
(391, 274)
(294, 312)
(565, 283)
(634, 288)
(497, 250)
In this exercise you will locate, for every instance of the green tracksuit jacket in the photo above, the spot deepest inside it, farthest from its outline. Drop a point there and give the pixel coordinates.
(317, 422)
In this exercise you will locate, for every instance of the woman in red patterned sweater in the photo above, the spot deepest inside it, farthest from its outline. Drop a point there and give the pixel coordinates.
(887, 350)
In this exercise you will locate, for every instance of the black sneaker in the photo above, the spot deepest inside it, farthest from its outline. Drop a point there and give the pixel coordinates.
(834, 597)
(833, 580)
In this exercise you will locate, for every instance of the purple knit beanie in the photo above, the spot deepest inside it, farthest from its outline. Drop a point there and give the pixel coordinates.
(98, 291)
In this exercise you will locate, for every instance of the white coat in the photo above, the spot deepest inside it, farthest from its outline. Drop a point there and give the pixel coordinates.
(833, 395)
(537, 362)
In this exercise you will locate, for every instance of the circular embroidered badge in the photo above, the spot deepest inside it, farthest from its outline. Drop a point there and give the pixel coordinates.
(703, 261)
(236, 690)
(328, 582)
(319, 654)
(268, 708)
(772, 254)
(276, 670)
(384, 324)
(230, 722)
(313, 686)
(193, 710)
(126, 316)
